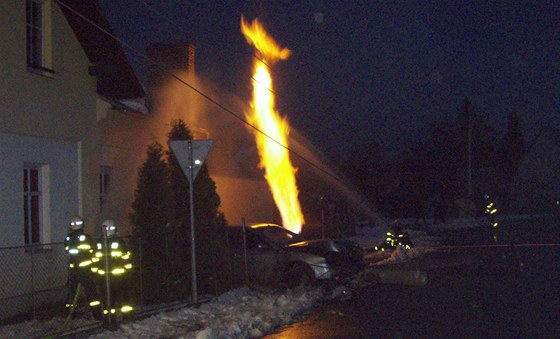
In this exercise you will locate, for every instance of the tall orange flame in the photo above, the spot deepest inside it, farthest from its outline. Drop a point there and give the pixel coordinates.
(274, 157)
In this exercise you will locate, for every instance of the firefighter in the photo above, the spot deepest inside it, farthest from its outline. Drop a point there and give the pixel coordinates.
(490, 212)
(395, 237)
(112, 263)
(79, 247)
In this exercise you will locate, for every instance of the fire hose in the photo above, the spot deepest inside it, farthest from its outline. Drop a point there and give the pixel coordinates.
(70, 312)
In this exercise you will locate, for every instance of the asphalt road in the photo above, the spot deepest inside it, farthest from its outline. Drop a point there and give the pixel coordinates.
(494, 292)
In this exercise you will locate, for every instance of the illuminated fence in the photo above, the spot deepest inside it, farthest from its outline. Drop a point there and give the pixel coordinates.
(33, 279)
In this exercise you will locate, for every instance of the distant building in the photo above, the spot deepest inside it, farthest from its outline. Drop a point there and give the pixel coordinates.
(537, 186)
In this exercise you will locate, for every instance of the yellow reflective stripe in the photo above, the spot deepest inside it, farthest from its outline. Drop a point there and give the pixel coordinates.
(116, 253)
(118, 271)
(85, 263)
(128, 266)
(95, 303)
(126, 308)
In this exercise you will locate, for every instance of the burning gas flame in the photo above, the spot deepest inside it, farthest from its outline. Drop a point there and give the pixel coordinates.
(274, 157)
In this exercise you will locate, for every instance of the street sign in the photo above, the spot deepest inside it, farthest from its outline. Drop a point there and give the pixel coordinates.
(191, 153)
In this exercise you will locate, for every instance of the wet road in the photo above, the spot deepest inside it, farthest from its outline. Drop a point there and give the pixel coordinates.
(471, 293)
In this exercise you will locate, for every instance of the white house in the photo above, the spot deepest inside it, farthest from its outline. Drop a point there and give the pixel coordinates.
(50, 94)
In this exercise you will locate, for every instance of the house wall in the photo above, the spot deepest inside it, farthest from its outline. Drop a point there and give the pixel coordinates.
(59, 169)
(46, 119)
(122, 148)
(243, 198)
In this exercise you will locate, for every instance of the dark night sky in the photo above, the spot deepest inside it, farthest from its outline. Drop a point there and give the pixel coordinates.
(373, 70)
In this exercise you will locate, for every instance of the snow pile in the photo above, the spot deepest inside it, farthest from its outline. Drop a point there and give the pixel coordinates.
(241, 313)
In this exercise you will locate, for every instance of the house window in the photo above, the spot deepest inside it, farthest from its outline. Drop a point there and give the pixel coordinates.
(35, 17)
(32, 204)
(104, 184)
(38, 36)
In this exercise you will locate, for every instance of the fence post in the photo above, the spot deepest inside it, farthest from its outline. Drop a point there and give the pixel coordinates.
(107, 278)
(33, 300)
(245, 252)
(167, 268)
(140, 271)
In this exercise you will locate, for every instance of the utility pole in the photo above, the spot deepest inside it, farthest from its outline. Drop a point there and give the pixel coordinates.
(469, 146)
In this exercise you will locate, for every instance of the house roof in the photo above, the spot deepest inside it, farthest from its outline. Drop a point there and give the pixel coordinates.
(115, 76)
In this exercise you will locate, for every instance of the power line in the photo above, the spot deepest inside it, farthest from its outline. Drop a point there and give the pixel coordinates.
(199, 92)
(316, 120)
(257, 56)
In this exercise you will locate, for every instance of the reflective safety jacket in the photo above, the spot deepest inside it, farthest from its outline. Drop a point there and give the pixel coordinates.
(395, 237)
(118, 255)
(80, 248)
(491, 212)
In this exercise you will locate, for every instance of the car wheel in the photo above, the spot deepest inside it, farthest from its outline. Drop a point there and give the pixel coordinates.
(300, 275)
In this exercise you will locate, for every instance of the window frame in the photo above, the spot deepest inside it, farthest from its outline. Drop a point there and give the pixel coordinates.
(105, 178)
(38, 37)
(33, 205)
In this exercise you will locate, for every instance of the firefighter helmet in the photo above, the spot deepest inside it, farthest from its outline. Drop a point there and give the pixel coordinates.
(110, 227)
(76, 223)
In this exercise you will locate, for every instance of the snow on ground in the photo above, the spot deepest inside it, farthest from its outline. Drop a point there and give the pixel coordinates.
(243, 312)
(240, 313)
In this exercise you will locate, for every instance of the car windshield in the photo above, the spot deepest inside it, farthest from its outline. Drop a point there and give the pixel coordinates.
(280, 235)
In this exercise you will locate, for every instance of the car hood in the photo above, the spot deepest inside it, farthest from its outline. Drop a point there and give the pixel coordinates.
(324, 246)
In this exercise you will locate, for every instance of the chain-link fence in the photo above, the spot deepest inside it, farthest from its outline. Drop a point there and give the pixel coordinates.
(33, 278)
(32, 281)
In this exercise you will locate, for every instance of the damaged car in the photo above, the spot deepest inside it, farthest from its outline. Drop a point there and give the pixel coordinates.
(274, 256)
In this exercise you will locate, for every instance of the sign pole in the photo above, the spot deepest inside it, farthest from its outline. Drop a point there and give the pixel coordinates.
(191, 154)
(193, 243)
